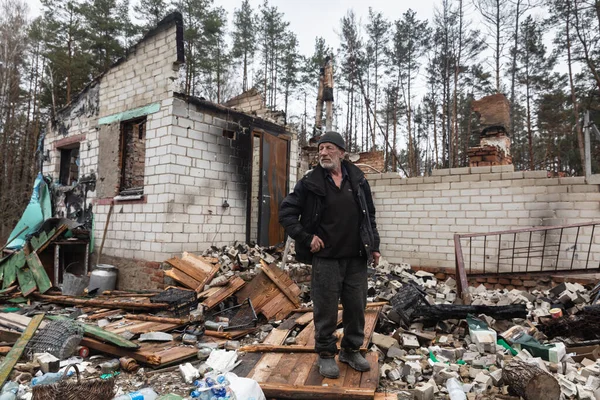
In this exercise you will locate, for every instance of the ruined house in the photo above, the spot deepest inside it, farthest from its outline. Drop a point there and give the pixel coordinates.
(180, 173)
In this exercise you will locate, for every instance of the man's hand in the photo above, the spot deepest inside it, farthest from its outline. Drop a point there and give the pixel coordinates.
(316, 244)
(376, 256)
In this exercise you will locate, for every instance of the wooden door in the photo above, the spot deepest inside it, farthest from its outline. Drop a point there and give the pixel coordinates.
(274, 167)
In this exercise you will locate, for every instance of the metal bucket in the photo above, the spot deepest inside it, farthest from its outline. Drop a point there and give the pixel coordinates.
(74, 285)
(103, 277)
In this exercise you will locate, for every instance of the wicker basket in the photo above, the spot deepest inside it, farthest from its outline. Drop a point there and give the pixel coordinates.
(82, 389)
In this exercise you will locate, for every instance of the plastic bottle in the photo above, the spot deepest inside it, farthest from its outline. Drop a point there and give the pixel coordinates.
(48, 378)
(9, 391)
(455, 389)
(142, 394)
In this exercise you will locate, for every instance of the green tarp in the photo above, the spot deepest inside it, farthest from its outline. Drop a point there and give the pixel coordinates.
(37, 211)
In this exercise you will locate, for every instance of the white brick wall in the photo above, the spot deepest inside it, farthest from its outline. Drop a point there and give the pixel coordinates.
(418, 217)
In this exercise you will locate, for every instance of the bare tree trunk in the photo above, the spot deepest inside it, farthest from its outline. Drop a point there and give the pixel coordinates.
(580, 140)
(585, 45)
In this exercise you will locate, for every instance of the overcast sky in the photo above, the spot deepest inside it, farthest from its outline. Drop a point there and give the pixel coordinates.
(312, 18)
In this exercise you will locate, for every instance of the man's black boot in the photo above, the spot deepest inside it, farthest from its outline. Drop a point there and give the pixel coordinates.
(328, 367)
(355, 360)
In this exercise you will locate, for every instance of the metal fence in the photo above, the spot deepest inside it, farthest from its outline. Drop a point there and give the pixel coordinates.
(572, 248)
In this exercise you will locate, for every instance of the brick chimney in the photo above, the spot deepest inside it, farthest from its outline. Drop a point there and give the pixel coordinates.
(494, 143)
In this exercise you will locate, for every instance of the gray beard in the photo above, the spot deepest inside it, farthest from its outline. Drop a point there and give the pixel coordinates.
(327, 166)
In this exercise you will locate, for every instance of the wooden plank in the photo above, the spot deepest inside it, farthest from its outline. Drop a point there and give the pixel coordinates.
(282, 372)
(182, 278)
(146, 358)
(371, 316)
(314, 378)
(103, 314)
(188, 269)
(352, 378)
(10, 274)
(26, 281)
(302, 368)
(166, 320)
(39, 273)
(128, 305)
(56, 234)
(277, 336)
(339, 381)
(386, 396)
(248, 361)
(100, 334)
(369, 305)
(198, 263)
(17, 350)
(154, 354)
(224, 292)
(305, 319)
(273, 348)
(281, 391)
(265, 367)
(19, 259)
(370, 379)
(307, 336)
(270, 271)
(36, 242)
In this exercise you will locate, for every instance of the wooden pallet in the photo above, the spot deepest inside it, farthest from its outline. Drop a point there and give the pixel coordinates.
(296, 376)
(272, 292)
(286, 375)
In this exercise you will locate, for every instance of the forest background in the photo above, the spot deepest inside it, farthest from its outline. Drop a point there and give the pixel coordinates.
(402, 86)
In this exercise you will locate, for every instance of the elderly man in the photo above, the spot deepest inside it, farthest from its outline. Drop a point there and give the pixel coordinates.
(330, 215)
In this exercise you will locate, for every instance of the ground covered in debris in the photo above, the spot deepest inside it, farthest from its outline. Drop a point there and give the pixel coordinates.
(242, 309)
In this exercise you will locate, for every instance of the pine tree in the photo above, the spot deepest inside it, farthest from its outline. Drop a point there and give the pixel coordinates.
(271, 39)
(534, 74)
(151, 12)
(496, 16)
(194, 14)
(290, 69)
(215, 60)
(63, 33)
(103, 28)
(244, 38)
(409, 45)
(378, 33)
(350, 58)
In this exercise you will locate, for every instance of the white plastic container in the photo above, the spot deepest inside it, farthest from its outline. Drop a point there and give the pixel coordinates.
(455, 389)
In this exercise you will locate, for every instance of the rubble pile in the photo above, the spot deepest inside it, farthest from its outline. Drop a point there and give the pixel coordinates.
(232, 313)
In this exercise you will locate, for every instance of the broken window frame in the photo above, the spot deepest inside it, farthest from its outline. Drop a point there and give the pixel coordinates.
(126, 192)
(67, 175)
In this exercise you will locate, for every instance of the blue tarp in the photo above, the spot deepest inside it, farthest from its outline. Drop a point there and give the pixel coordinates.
(37, 211)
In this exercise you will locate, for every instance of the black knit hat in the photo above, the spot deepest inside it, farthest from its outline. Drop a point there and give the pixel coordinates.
(333, 137)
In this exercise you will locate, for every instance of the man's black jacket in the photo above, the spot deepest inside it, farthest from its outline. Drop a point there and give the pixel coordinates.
(301, 211)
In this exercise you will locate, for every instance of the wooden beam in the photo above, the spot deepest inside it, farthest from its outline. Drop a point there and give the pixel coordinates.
(39, 273)
(197, 262)
(101, 303)
(188, 269)
(15, 353)
(26, 281)
(224, 292)
(56, 234)
(369, 305)
(165, 320)
(282, 391)
(183, 278)
(286, 290)
(263, 348)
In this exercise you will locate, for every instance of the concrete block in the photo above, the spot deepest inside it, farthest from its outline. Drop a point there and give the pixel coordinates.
(424, 391)
(384, 341)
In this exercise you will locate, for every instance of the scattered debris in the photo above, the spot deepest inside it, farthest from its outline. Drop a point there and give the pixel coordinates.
(244, 315)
